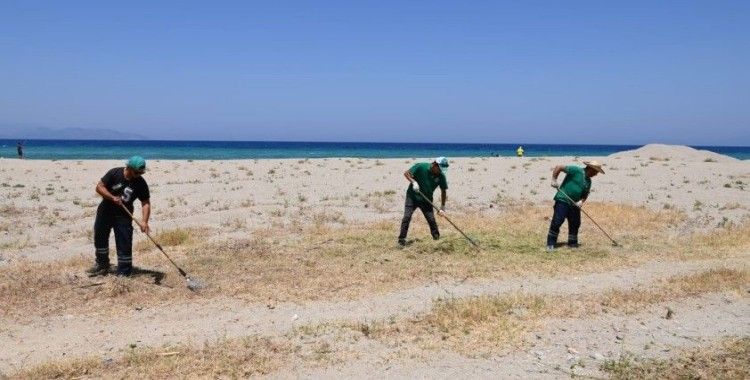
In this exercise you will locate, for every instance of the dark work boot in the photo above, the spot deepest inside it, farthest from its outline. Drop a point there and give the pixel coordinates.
(573, 241)
(124, 270)
(98, 270)
(101, 268)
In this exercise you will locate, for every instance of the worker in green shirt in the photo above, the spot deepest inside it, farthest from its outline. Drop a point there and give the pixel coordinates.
(424, 178)
(576, 185)
(519, 151)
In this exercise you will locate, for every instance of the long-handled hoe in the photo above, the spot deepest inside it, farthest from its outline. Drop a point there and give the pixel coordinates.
(451, 222)
(614, 243)
(192, 283)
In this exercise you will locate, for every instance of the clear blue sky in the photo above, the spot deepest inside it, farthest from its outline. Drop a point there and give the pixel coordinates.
(401, 71)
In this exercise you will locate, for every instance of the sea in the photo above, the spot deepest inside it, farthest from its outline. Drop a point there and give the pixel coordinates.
(230, 150)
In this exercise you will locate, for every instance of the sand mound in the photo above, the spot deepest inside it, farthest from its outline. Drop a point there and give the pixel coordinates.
(664, 152)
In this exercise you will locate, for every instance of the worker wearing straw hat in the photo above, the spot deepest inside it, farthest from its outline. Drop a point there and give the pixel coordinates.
(569, 198)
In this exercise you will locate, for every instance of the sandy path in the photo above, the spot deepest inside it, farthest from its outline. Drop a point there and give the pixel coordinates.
(71, 336)
(554, 349)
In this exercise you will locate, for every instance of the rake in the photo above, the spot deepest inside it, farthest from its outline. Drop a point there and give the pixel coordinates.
(614, 243)
(451, 222)
(192, 283)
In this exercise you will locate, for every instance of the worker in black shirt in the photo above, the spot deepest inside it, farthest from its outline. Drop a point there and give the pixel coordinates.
(119, 188)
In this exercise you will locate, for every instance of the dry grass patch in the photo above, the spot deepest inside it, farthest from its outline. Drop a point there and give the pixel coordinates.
(10, 210)
(524, 229)
(716, 280)
(731, 237)
(235, 358)
(623, 218)
(319, 346)
(283, 265)
(489, 324)
(322, 218)
(43, 289)
(167, 238)
(727, 359)
(381, 202)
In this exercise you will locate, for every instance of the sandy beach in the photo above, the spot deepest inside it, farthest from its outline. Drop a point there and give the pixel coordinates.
(302, 264)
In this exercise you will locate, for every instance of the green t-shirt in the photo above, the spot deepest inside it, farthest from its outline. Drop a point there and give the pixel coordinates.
(575, 184)
(427, 181)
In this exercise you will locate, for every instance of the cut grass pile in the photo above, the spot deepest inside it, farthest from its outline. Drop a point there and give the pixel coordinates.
(274, 264)
(726, 360)
(491, 324)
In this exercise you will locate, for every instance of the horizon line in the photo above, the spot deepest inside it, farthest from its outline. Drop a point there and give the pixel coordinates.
(366, 142)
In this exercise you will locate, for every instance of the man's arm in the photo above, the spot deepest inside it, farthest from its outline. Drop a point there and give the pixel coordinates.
(555, 173)
(409, 176)
(146, 213)
(414, 183)
(101, 189)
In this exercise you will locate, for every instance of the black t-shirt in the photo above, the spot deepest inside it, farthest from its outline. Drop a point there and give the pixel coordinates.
(129, 191)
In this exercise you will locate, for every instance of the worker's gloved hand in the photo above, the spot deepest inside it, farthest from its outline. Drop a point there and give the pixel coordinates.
(441, 212)
(415, 186)
(579, 204)
(117, 201)
(554, 184)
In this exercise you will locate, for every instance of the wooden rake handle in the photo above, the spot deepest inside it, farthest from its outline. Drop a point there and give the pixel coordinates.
(449, 221)
(138, 222)
(589, 216)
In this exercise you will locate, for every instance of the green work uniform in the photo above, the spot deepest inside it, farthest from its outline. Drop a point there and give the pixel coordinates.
(575, 184)
(427, 181)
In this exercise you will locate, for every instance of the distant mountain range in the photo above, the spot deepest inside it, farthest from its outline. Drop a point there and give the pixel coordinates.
(33, 133)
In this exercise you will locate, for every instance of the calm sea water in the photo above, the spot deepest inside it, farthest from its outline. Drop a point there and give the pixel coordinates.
(222, 150)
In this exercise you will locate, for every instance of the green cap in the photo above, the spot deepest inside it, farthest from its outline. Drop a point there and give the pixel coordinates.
(137, 163)
(442, 162)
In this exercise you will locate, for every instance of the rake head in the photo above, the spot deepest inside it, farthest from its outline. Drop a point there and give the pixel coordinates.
(194, 284)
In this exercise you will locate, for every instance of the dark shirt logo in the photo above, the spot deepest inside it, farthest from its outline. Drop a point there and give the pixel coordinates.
(127, 194)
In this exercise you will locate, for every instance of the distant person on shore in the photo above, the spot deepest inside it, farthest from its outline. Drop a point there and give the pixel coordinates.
(424, 178)
(519, 151)
(119, 188)
(569, 199)
(19, 148)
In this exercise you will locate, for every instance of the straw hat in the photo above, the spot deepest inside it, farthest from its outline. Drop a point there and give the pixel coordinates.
(594, 165)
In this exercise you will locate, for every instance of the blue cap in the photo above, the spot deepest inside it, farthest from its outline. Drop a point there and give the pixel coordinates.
(137, 163)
